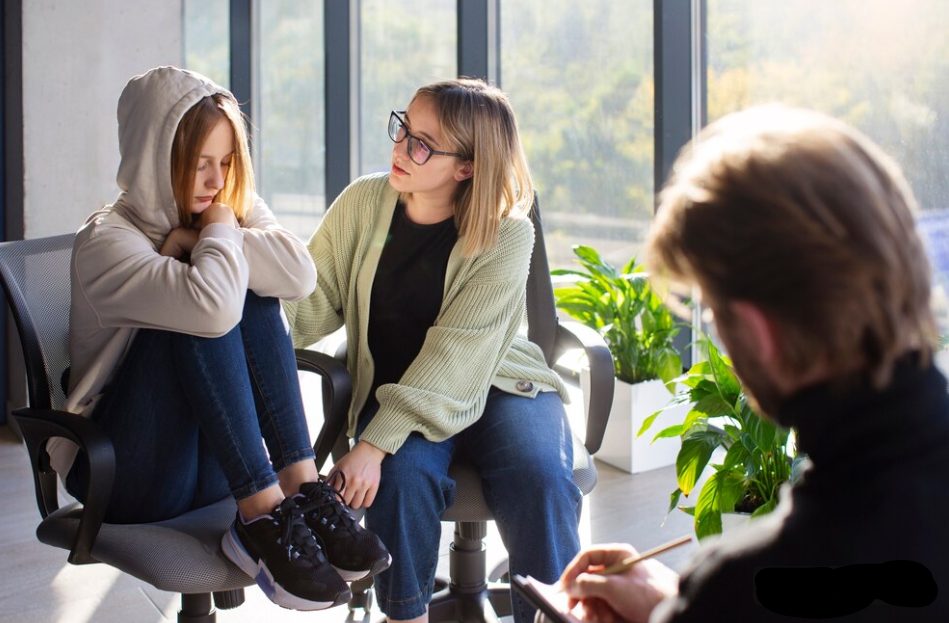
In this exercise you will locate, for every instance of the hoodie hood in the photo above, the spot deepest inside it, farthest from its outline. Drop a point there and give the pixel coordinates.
(150, 108)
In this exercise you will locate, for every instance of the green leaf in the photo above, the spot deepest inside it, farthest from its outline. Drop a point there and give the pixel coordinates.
(557, 272)
(674, 499)
(708, 524)
(696, 450)
(670, 431)
(765, 508)
(766, 433)
(724, 375)
(669, 365)
(719, 495)
(711, 404)
(736, 456)
(648, 422)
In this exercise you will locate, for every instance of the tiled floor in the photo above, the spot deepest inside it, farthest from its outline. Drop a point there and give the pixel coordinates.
(38, 586)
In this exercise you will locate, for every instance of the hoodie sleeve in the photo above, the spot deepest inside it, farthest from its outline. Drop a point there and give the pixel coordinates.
(278, 261)
(127, 283)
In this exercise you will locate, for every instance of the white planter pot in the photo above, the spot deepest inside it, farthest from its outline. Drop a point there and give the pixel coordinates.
(631, 405)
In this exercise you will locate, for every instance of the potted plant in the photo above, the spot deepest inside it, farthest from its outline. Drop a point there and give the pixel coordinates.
(756, 457)
(639, 330)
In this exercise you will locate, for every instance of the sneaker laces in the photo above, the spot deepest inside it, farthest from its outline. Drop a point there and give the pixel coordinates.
(296, 536)
(325, 501)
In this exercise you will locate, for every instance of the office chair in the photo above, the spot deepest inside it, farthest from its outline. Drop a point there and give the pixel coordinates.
(180, 555)
(468, 595)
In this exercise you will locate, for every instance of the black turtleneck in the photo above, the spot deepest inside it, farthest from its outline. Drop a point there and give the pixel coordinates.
(875, 491)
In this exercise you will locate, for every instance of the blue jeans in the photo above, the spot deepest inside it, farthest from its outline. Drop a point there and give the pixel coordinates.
(522, 448)
(188, 417)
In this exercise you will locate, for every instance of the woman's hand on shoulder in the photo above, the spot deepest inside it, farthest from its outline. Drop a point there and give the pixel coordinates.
(360, 470)
(217, 213)
(179, 243)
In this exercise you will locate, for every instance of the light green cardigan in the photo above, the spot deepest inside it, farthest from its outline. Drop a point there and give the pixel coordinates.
(473, 344)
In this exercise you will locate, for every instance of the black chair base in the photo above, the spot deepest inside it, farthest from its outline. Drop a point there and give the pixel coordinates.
(468, 597)
(484, 606)
(196, 608)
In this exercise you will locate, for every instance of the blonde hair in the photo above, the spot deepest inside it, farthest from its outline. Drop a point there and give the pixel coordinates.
(806, 218)
(193, 130)
(477, 120)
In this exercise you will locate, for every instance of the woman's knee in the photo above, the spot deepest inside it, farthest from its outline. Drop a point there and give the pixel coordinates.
(256, 306)
(416, 474)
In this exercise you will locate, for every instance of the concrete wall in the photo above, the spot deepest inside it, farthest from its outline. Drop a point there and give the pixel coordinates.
(77, 57)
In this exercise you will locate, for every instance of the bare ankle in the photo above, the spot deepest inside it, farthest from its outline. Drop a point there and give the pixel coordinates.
(260, 503)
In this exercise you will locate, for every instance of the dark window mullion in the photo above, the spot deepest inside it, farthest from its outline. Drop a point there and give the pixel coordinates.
(478, 39)
(679, 65)
(341, 56)
(241, 53)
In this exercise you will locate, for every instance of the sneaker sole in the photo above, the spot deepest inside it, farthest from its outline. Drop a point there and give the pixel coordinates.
(378, 566)
(235, 552)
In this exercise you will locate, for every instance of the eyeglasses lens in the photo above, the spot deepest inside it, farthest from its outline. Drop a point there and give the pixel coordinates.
(396, 129)
(418, 151)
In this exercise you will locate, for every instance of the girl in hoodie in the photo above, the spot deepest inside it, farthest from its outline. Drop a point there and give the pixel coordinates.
(426, 266)
(180, 353)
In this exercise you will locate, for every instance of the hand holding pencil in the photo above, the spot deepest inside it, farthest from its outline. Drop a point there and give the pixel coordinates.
(614, 580)
(627, 563)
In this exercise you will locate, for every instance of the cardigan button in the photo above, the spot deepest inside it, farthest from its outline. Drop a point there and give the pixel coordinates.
(524, 386)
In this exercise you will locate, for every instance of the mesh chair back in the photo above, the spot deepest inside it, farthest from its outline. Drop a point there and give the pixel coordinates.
(541, 312)
(35, 276)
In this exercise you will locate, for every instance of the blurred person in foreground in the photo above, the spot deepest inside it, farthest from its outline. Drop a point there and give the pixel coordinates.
(799, 234)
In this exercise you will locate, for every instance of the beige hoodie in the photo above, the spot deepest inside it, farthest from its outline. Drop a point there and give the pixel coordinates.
(121, 283)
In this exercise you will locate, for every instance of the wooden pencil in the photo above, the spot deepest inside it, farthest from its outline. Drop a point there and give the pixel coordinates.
(627, 564)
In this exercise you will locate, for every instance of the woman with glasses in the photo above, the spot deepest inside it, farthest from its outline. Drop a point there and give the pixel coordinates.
(426, 266)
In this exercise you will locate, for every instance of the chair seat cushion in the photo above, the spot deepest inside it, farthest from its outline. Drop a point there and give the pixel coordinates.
(181, 555)
(469, 498)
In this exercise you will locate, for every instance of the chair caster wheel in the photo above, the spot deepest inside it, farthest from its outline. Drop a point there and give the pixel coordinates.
(361, 601)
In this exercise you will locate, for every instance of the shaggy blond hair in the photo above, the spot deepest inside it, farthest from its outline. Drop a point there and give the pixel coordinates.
(477, 121)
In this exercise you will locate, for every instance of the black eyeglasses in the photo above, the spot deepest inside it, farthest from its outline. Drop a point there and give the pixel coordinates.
(419, 151)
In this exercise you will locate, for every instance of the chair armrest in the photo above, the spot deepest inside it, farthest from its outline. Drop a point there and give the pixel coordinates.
(40, 425)
(337, 394)
(602, 376)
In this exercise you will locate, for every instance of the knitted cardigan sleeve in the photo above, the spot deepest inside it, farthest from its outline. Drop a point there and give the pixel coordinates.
(445, 388)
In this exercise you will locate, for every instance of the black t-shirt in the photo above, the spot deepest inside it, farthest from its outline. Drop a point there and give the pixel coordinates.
(407, 293)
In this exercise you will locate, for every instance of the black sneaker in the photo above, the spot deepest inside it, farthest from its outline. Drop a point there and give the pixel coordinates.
(280, 552)
(355, 552)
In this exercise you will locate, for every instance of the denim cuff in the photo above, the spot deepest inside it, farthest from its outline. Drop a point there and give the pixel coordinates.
(305, 454)
(404, 609)
(255, 486)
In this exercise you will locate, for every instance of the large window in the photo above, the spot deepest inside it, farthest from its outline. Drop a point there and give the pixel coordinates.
(580, 77)
(403, 45)
(880, 65)
(288, 122)
(206, 38)
(291, 125)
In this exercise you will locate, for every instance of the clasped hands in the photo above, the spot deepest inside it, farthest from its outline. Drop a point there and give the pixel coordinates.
(622, 597)
(181, 240)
